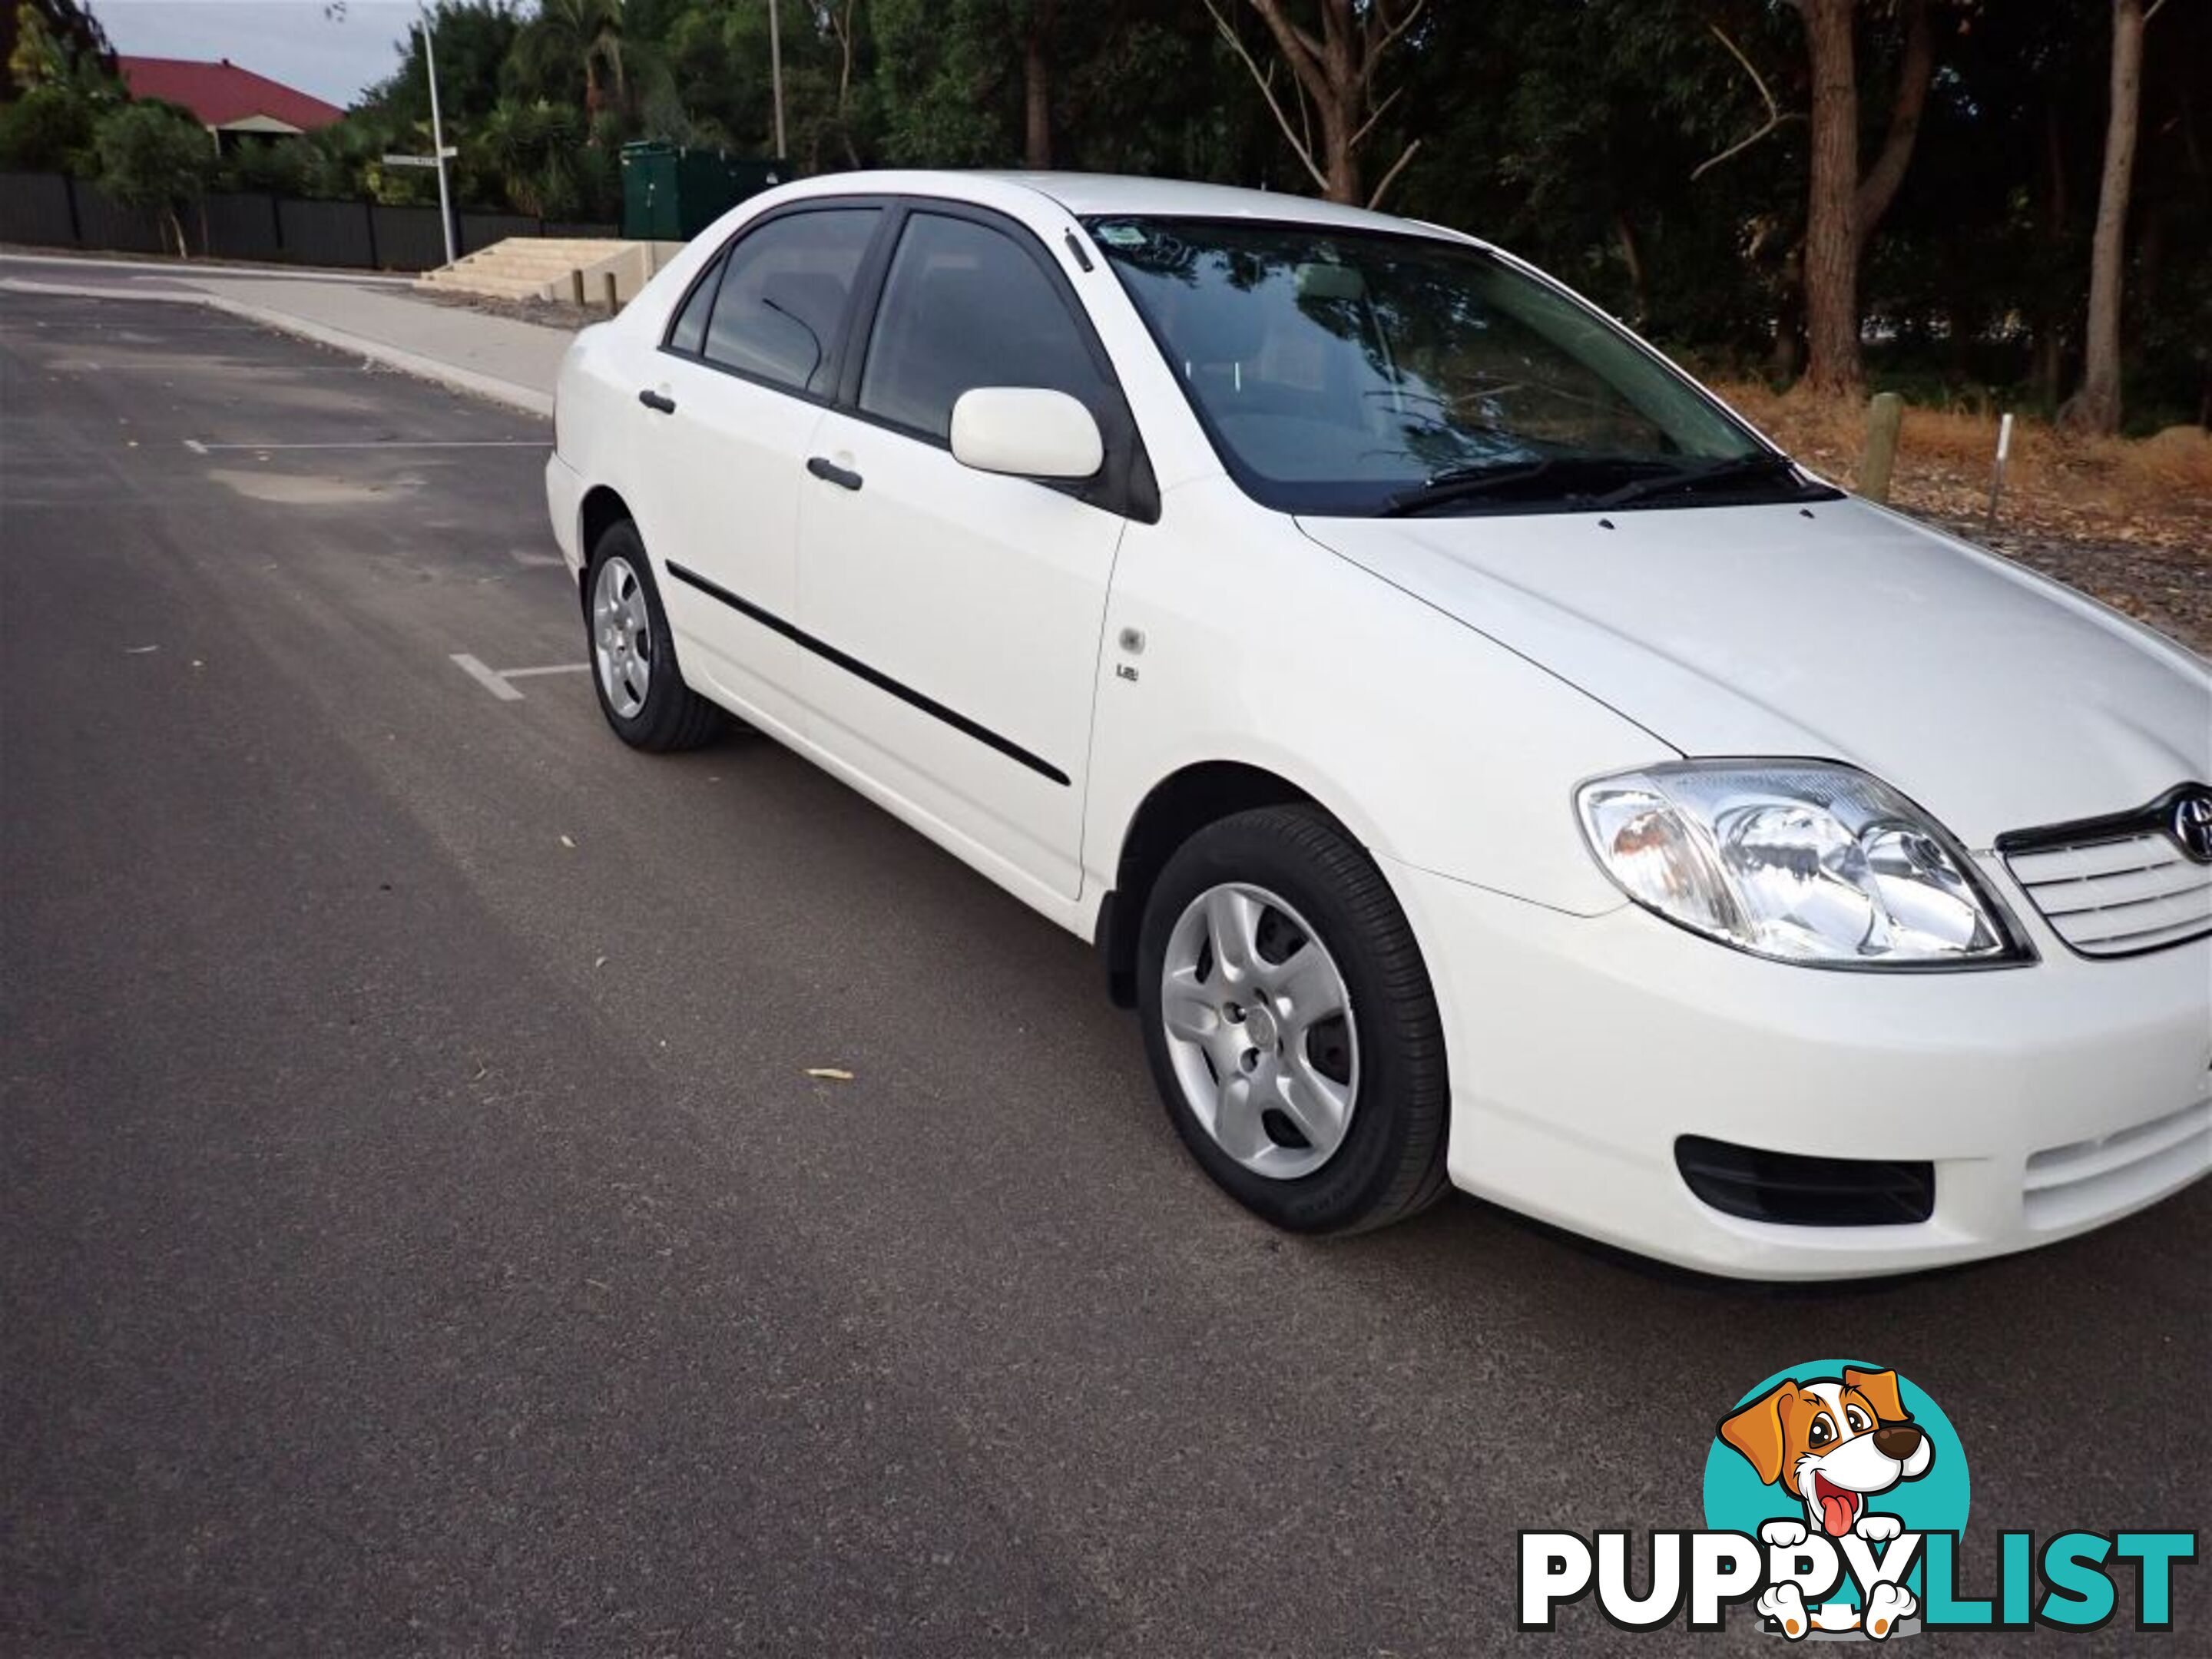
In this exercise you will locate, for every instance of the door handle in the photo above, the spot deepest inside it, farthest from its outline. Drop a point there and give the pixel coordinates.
(823, 467)
(655, 400)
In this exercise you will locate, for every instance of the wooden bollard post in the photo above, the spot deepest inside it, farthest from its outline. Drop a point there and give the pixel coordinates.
(576, 288)
(607, 292)
(1885, 419)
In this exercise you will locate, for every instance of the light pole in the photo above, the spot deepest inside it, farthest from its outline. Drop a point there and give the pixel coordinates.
(437, 131)
(775, 73)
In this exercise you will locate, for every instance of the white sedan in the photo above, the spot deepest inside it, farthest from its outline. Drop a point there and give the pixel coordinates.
(1482, 759)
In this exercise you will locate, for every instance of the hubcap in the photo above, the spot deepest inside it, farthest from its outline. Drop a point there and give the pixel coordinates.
(1259, 1027)
(622, 637)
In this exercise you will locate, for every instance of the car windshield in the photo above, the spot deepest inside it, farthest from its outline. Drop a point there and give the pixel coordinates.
(1363, 372)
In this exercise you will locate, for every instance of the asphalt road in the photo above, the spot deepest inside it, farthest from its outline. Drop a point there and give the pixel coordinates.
(418, 1233)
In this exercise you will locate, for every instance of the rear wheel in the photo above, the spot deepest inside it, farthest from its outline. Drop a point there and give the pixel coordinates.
(633, 669)
(1290, 1024)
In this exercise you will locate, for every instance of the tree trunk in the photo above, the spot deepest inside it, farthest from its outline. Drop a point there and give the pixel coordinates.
(1344, 103)
(842, 22)
(2054, 158)
(1036, 87)
(1632, 256)
(1916, 72)
(1959, 320)
(1786, 360)
(1832, 234)
(1334, 75)
(2050, 370)
(1343, 161)
(2096, 407)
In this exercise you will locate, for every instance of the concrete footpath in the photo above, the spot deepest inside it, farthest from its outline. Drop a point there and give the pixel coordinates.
(380, 318)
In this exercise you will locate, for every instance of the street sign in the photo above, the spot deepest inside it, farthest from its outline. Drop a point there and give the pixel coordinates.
(449, 152)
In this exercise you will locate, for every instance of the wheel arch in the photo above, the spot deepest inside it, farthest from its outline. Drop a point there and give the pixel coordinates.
(1172, 812)
(601, 509)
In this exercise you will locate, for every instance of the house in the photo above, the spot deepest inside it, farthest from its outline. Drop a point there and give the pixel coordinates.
(226, 100)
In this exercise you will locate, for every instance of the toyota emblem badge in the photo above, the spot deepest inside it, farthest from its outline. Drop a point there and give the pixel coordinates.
(2192, 824)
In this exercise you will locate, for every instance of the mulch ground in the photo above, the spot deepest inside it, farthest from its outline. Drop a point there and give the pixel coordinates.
(547, 313)
(2167, 584)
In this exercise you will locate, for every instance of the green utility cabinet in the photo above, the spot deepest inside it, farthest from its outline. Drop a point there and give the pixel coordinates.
(670, 194)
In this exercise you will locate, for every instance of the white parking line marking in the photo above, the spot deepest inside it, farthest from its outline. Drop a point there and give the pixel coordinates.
(532, 561)
(495, 680)
(199, 448)
(490, 679)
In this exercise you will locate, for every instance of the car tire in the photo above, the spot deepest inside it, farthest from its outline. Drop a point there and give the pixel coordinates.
(1298, 879)
(632, 654)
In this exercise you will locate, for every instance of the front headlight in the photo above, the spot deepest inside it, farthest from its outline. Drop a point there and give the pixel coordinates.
(1802, 861)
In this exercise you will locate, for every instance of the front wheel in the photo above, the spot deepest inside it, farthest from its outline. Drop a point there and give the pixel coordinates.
(1290, 1024)
(641, 690)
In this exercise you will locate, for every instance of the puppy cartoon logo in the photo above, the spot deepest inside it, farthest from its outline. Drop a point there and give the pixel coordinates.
(1835, 1501)
(1832, 1444)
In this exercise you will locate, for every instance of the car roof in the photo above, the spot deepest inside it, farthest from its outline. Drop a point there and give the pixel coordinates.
(1088, 194)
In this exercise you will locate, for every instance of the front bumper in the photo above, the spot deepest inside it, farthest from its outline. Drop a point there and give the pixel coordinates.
(2052, 1097)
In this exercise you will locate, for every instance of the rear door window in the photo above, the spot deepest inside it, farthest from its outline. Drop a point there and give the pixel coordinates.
(780, 306)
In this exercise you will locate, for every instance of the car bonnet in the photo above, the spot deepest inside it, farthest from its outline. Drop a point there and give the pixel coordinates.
(1837, 630)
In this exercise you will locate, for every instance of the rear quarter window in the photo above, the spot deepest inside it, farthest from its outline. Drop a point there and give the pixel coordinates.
(689, 333)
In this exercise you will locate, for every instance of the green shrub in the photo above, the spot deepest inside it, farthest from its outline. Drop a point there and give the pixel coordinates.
(155, 156)
(48, 129)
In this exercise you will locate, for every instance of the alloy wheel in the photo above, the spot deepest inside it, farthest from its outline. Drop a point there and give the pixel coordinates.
(622, 637)
(1260, 1029)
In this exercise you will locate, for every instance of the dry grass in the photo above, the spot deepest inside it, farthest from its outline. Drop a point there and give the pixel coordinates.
(2156, 490)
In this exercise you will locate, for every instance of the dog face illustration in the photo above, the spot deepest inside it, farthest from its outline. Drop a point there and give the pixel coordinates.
(1832, 1444)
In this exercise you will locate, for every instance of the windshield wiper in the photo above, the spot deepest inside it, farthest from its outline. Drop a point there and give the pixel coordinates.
(1740, 469)
(1461, 484)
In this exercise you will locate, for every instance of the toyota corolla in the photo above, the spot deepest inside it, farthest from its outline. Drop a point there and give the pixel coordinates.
(1481, 758)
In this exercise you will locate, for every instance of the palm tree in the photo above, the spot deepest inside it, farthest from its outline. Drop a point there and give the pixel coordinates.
(567, 35)
(533, 149)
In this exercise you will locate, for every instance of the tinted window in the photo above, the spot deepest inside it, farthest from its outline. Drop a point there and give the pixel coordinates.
(783, 295)
(965, 306)
(690, 330)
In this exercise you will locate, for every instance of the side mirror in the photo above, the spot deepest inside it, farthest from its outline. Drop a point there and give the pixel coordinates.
(1026, 431)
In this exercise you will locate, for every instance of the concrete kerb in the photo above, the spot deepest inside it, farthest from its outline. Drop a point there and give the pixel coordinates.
(186, 270)
(527, 398)
(476, 383)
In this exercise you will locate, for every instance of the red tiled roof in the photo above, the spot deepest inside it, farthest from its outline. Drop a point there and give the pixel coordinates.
(220, 94)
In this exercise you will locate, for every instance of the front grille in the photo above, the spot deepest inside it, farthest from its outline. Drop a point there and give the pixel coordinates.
(2089, 1178)
(2113, 899)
